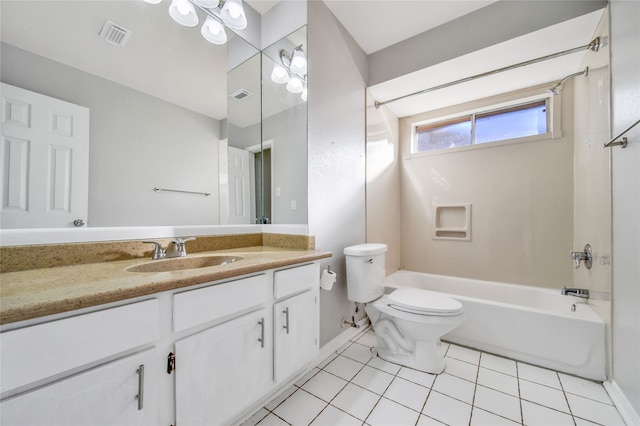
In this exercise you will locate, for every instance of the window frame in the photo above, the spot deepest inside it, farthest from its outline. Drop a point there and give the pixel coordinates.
(480, 107)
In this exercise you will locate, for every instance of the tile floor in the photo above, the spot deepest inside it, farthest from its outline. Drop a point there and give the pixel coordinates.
(352, 387)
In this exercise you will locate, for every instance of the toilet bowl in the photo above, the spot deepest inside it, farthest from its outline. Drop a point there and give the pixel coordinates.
(409, 333)
(408, 322)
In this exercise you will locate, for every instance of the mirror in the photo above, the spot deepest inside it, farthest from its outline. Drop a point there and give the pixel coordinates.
(158, 107)
(284, 136)
(241, 190)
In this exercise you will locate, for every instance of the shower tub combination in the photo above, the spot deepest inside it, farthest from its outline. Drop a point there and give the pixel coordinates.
(534, 325)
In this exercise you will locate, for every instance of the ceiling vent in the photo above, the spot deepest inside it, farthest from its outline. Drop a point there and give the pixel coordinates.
(115, 34)
(239, 95)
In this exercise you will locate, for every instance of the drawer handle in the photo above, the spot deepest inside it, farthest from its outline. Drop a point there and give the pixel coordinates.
(261, 339)
(286, 319)
(140, 396)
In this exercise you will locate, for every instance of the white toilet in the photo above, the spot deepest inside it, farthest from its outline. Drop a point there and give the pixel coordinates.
(408, 322)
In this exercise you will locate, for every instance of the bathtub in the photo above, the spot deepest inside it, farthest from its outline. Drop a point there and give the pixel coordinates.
(534, 325)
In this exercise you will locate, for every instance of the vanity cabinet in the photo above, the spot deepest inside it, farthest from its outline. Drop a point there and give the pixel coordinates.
(121, 392)
(296, 335)
(223, 369)
(81, 370)
(296, 314)
(207, 354)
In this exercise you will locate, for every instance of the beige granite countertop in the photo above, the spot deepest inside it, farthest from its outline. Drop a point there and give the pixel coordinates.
(38, 292)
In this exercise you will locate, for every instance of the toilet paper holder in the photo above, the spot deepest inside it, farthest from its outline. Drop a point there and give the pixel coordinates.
(327, 279)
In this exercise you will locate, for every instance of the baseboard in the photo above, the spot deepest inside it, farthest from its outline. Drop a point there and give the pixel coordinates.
(626, 410)
(337, 342)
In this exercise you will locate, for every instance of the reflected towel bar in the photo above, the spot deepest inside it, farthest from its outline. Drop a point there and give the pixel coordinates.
(206, 194)
(623, 142)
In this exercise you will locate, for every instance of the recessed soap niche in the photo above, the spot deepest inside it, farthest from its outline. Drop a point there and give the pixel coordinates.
(452, 222)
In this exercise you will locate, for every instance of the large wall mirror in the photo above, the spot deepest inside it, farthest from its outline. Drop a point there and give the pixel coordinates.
(284, 130)
(161, 114)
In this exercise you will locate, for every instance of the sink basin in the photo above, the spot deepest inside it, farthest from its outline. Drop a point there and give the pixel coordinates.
(182, 263)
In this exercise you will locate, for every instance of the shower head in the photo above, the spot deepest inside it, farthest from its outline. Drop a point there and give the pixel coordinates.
(555, 89)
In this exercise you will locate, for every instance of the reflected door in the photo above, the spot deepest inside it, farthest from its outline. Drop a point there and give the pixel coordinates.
(239, 190)
(45, 160)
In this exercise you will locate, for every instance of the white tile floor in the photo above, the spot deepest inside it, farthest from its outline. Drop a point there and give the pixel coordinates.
(352, 387)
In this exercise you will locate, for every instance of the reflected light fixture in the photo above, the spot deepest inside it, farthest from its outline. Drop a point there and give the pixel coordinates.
(219, 13)
(555, 89)
(213, 31)
(233, 15)
(183, 12)
(292, 71)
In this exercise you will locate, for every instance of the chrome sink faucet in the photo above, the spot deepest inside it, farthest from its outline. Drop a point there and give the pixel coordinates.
(578, 292)
(586, 256)
(176, 248)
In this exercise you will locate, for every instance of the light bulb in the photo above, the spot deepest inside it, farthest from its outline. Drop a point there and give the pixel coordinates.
(299, 62)
(183, 12)
(233, 15)
(295, 85)
(234, 11)
(213, 31)
(183, 9)
(279, 74)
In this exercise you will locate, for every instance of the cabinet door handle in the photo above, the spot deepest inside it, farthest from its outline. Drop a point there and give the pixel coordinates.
(286, 319)
(140, 396)
(261, 339)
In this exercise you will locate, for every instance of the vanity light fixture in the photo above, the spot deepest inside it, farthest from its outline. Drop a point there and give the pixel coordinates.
(292, 71)
(220, 13)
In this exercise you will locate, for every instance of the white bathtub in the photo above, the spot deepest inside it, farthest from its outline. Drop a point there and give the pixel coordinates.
(529, 324)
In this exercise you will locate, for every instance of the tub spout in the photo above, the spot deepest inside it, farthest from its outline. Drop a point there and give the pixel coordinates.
(578, 292)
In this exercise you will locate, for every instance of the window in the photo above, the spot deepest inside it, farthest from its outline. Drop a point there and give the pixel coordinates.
(489, 126)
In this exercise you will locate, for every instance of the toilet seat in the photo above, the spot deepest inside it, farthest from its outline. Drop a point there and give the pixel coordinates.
(423, 302)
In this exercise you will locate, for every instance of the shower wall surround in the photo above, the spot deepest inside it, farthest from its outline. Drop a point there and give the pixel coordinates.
(522, 198)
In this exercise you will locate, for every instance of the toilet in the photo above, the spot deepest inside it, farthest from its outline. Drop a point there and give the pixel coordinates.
(408, 322)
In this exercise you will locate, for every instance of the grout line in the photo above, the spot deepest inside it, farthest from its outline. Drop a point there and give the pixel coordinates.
(519, 394)
(566, 399)
(475, 388)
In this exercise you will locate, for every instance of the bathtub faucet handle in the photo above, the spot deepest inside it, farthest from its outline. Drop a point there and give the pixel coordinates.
(586, 256)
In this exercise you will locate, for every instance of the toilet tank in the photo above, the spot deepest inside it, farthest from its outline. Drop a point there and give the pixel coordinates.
(365, 272)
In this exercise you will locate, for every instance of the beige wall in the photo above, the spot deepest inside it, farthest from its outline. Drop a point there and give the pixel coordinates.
(383, 181)
(592, 177)
(521, 216)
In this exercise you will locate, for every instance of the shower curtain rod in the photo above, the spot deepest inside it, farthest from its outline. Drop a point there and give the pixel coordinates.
(594, 45)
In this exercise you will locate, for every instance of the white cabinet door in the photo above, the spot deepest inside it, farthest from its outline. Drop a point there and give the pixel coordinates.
(295, 333)
(45, 160)
(105, 395)
(223, 369)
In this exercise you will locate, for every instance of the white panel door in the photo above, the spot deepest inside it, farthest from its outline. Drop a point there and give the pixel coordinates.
(239, 190)
(295, 334)
(222, 370)
(45, 160)
(106, 395)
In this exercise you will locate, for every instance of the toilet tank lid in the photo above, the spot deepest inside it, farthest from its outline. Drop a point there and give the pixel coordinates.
(365, 249)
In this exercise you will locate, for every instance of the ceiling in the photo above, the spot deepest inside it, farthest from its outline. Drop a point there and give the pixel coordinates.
(176, 64)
